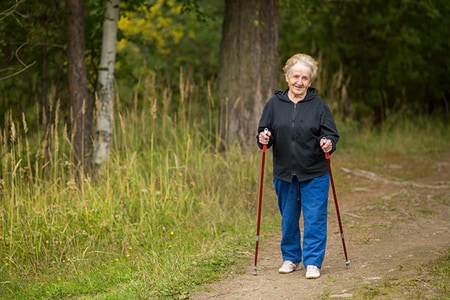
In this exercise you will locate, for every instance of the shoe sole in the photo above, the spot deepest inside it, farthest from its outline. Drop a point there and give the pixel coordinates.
(283, 272)
(295, 269)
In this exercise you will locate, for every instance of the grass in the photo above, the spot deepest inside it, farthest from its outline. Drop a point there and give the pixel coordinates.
(169, 212)
(415, 143)
(432, 282)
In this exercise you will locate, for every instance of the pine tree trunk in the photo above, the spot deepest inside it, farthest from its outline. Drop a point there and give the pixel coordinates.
(105, 89)
(45, 110)
(249, 63)
(80, 100)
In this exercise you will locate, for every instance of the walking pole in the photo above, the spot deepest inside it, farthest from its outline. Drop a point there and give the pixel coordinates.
(261, 182)
(327, 156)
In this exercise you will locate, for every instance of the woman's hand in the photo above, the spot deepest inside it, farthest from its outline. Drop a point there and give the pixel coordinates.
(326, 145)
(264, 137)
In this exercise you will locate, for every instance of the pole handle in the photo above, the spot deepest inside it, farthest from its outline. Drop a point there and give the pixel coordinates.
(266, 131)
(324, 140)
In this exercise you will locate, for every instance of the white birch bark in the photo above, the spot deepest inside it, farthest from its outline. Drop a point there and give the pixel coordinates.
(105, 88)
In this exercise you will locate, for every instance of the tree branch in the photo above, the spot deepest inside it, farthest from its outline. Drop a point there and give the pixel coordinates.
(376, 177)
(25, 66)
(11, 11)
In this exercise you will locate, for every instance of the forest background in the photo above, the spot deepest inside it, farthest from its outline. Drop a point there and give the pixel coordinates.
(382, 64)
(376, 58)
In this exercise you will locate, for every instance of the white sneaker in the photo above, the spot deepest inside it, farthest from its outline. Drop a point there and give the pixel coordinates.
(288, 267)
(312, 272)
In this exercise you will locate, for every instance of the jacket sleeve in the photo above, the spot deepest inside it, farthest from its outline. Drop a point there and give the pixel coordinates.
(328, 127)
(266, 122)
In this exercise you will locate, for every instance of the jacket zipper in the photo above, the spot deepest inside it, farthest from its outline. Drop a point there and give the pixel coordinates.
(294, 167)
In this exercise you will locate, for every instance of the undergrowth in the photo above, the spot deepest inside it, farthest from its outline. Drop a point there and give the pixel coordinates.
(168, 213)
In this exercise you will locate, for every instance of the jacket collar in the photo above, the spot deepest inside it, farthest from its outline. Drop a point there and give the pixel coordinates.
(283, 95)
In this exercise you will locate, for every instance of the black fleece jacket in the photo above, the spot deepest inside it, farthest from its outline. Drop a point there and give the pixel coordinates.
(296, 130)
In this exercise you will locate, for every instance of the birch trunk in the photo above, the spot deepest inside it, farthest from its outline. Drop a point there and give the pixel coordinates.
(105, 88)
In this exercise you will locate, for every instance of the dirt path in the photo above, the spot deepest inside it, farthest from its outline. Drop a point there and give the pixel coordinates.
(390, 227)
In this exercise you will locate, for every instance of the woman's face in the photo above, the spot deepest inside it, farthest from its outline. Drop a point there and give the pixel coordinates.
(298, 79)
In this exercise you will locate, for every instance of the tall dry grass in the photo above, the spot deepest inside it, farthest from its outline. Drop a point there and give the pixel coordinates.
(168, 205)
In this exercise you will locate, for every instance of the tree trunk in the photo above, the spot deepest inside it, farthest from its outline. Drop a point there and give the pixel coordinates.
(105, 88)
(249, 67)
(80, 100)
(45, 112)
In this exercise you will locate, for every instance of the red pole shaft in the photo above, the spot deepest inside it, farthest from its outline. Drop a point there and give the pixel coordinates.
(261, 183)
(347, 262)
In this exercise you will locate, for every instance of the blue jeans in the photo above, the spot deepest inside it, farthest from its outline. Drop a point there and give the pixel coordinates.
(311, 197)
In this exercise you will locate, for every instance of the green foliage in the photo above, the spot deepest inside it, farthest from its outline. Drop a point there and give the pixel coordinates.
(34, 48)
(377, 58)
(167, 36)
(392, 55)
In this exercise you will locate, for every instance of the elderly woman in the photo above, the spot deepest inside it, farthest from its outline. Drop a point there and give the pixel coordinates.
(297, 120)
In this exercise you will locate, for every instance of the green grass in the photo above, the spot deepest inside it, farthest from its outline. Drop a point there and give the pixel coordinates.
(431, 282)
(169, 212)
(416, 144)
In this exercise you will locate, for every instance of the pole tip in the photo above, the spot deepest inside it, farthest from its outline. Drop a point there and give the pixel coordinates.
(254, 271)
(347, 264)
